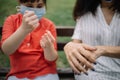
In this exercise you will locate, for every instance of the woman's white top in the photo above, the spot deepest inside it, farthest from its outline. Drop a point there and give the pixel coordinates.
(94, 30)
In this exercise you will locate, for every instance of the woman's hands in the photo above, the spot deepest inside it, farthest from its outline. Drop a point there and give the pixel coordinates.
(29, 21)
(81, 57)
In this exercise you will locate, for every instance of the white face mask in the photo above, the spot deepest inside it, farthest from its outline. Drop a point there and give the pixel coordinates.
(38, 11)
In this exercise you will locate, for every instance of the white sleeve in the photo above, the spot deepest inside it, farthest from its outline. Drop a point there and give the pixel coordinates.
(77, 30)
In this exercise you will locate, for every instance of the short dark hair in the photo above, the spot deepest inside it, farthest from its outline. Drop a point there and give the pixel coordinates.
(84, 6)
(24, 1)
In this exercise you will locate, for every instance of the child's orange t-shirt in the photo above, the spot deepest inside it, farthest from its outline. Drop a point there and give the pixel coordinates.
(28, 60)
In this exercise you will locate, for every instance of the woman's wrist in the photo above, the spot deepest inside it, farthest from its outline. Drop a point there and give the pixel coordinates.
(103, 50)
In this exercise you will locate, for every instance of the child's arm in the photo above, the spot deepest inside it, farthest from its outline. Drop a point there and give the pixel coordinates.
(29, 22)
(47, 43)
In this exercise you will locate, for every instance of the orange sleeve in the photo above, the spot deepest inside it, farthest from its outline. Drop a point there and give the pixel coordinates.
(8, 28)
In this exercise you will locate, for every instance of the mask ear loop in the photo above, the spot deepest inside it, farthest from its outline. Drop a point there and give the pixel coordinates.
(18, 8)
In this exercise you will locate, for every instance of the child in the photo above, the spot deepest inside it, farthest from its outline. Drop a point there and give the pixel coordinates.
(29, 40)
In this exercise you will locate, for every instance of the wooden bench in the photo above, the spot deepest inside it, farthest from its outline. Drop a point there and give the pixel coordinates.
(64, 73)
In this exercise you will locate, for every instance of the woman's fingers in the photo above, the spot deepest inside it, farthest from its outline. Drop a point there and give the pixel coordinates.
(77, 62)
(83, 60)
(80, 59)
(72, 65)
(87, 54)
(88, 47)
(68, 55)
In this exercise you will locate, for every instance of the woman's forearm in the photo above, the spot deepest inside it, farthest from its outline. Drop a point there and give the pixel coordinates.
(111, 51)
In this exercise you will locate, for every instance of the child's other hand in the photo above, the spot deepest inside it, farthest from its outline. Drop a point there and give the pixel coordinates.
(29, 21)
(47, 40)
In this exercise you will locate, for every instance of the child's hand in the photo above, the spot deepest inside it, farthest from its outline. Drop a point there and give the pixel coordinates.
(47, 43)
(30, 21)
(47, 40)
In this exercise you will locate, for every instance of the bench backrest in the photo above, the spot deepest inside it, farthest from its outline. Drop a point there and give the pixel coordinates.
(63, 32)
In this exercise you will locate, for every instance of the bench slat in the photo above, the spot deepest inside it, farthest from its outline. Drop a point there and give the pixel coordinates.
(64, 31)
(60, 46)
(3, 71)
(60, 31)
(65, 73)
(0, 30)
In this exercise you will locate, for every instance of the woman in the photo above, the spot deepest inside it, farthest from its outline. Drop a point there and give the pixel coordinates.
(94, 52)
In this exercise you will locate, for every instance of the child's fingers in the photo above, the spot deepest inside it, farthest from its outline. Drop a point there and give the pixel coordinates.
(32, 17)
(46, 39)
(49, 40)
(42, 44)
(28, 14)
(34, 23)
(50, 36)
